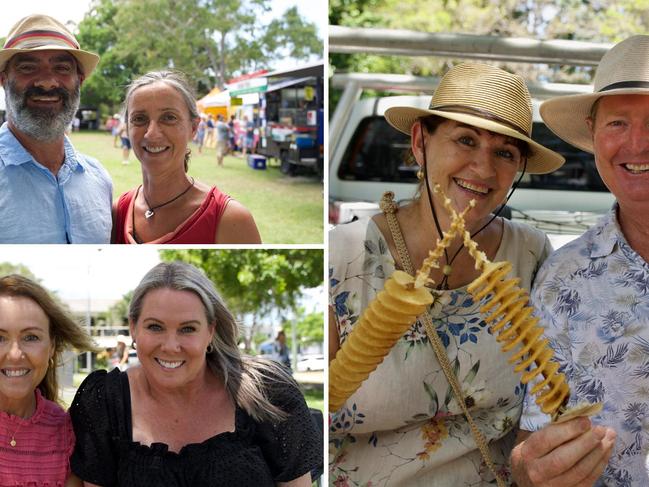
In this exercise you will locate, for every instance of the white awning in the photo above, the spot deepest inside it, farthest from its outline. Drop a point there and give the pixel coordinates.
(221, 99)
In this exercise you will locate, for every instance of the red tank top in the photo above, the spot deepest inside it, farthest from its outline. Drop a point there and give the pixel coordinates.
(199, 228)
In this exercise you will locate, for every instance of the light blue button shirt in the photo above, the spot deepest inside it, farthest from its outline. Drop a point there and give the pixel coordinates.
(36, 206)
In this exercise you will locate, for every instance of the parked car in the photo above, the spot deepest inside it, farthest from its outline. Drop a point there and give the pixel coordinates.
(369, 160)
(308, 363)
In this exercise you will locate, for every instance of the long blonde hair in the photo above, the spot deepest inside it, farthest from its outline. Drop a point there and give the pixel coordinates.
(245, 378)
(64, 332)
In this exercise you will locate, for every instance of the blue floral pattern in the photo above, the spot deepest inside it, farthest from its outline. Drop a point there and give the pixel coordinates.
(593, 297)
(404, 426)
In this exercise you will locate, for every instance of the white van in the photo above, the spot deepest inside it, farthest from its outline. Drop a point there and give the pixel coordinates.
(369, 160)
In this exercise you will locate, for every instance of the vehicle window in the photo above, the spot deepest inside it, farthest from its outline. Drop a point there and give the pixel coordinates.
(377, 152)
(577, 174)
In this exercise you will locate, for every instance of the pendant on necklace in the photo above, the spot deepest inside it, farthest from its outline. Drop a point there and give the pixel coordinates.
(12, 442)
(148, 214)
(447, 270)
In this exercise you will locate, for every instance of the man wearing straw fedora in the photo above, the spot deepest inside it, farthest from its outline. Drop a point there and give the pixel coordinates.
(593, 294)
(50, 193)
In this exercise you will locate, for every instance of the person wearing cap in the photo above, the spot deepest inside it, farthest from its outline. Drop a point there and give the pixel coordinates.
(50, 192)
(404, 425)
(592, 294)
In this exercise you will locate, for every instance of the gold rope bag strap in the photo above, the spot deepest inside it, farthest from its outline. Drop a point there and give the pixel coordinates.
(390, 208)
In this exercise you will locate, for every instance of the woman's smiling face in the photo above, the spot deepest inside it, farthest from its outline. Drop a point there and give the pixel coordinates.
(25, 350)
(172, 334)
(469, 163)
(159, 125)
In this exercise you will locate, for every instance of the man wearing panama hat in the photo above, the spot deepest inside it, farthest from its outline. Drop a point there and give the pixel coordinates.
(593, 294)
(50, 193)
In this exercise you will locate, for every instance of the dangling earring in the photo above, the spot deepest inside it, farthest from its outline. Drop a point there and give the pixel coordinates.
(209, 349)
(133, 344)
(420, 174)
(50, 363)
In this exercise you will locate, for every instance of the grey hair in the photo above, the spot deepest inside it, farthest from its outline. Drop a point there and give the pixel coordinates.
(245, 378)
(177, 81)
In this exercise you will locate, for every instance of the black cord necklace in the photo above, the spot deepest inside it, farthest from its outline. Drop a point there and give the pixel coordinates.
(447, 269)
(151, 211)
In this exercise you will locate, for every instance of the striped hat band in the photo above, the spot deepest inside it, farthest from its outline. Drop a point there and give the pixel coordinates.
(37, 38)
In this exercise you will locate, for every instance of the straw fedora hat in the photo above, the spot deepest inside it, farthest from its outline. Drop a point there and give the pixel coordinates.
(41, 32)
(623, 70)
(488, 98)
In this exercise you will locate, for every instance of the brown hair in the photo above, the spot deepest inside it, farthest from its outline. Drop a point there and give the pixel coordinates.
(64, 331)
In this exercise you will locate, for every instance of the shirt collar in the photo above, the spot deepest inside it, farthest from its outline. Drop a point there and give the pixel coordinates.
(606, 235)
(13, 153)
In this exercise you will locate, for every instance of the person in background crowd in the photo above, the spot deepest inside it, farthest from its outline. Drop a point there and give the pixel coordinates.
(222, 136)
(200, 133)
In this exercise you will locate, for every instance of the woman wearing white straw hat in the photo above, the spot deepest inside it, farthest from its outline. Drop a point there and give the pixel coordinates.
(472, 142)
(592, 294)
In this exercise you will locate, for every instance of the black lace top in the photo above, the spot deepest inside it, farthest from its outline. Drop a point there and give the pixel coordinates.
(254, 454)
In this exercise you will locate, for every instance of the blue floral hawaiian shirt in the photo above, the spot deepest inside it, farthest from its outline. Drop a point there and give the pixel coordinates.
(593, 297)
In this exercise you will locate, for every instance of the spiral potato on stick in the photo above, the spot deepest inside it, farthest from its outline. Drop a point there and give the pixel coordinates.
(510, 317)
(384, 321)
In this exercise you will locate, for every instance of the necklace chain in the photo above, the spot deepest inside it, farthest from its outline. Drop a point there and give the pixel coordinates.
(12, 442)
(151, 209)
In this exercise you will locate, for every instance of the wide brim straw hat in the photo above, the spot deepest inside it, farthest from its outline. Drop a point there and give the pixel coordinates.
(623, 70)
(488, 98)
(41, 32)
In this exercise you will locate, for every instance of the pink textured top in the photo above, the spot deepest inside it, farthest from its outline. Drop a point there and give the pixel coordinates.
(44, 443)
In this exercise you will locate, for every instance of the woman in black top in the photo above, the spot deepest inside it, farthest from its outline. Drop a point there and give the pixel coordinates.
(195, 412)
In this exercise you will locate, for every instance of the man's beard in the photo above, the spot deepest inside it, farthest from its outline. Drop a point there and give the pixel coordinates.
(45, 124)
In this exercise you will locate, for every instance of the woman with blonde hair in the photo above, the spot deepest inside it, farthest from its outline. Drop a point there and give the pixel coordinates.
(36, 437)
(195, 412)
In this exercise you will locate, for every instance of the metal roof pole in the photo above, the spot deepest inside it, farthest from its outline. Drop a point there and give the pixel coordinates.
(425, 84)
(351, 94)
(512, 49)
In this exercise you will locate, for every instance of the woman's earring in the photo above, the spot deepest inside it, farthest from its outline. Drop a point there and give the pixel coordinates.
(50, 363)
(210, 349)
(133, 344)
(420, 174)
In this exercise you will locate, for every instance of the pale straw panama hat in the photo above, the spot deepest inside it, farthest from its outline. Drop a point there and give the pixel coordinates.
(42, 32)
(488, 98)
(623, 70)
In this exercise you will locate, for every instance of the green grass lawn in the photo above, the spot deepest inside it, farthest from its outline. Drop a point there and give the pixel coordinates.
(314, 398)
(286, 209)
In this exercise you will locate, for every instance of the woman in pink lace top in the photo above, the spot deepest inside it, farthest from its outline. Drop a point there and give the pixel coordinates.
(36, 437)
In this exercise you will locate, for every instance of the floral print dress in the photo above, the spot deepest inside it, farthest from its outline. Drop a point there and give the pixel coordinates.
(403, 426)
(593, 297)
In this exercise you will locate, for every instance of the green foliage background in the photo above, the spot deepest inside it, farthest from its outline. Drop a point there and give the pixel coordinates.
(209, 40)
(584, 20)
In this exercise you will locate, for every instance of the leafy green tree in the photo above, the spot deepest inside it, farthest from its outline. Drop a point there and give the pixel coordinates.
(256, 282)
(209, 40)
(7, 268)
(310, 328)
(585, 20)
(117, 314)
